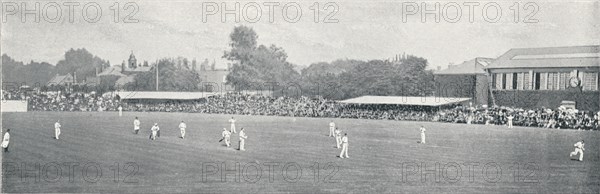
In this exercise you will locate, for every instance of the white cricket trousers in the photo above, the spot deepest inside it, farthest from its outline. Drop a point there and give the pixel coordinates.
(242, 144)
(344, 150)
(233, 128)
(578, 151)
(56, 132)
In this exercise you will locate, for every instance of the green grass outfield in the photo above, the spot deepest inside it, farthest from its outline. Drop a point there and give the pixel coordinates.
(384, 156)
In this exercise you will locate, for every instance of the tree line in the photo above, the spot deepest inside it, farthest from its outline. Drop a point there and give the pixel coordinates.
(252, 66)
(261, 67)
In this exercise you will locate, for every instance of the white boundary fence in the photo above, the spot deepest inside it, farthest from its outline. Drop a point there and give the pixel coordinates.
(13, 106)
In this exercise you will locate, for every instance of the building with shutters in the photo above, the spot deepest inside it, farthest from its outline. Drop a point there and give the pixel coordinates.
(546, 77)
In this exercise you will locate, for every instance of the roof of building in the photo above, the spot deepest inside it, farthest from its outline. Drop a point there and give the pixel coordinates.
(572, 56)
(61, 79)
(139, 69)
(405, 100)
(164, 95)
(125, 79)
(473, 66)
(112, 70)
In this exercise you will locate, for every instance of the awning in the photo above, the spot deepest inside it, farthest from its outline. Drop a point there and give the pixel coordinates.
(163, 95)
(405, 100)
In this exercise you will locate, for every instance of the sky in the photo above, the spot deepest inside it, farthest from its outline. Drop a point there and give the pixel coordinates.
(363, 30)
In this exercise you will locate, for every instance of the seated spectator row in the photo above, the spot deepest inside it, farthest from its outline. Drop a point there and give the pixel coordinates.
(246, 104)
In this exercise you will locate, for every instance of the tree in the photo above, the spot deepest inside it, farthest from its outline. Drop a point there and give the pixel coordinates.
(257, 67)
(186, 64)
(344, 79)
(81, 62)
(171, 78)
(15, 73)
(384, 78)
(194, 64)
(204, 65)
(321, 79)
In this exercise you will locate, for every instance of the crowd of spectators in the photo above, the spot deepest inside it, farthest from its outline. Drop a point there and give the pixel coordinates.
(561, 117)
(246, 104)
(62, 101)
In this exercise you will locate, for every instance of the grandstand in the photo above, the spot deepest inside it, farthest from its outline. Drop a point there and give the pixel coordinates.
(138, 95)
(431, 101)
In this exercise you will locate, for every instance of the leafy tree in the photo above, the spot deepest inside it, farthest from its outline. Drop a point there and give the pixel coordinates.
(258, 67)
(344, 79)
(81, 62)
(204, 65)
(171, 78)
(321, 79)
(32, 74)
(194, 64)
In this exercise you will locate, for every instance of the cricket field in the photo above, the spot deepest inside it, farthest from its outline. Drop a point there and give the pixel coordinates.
(98, 152)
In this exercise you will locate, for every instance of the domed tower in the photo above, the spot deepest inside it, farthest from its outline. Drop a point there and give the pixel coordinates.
(132, 61)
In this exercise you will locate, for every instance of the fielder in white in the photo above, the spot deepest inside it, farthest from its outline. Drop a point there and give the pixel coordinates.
(243, 138)
(57, 129)
(422, 129)
(579, 148)
(154, 131)
(338, 137)
(136, 125)
(182, 127)
(6, 140)
(331, 129)
(120, 111)
(226, 137)
(510, 121)
(344, 146)
(232, 122)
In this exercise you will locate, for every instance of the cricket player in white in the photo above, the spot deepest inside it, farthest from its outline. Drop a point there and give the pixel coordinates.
(136, 125)
(338, 137)
(6, 140)
(243, 138)
(232, 122)
(510, 121)
(120, 111)
(182, 127)
(331, 129)
(154, 131)
(57, 129)
(579, 148)
(226, 137)
(344, 146)
(422, 129)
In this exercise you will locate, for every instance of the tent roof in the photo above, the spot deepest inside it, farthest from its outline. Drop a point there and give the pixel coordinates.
(405, 100)
(164, 95)
(61, 79)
